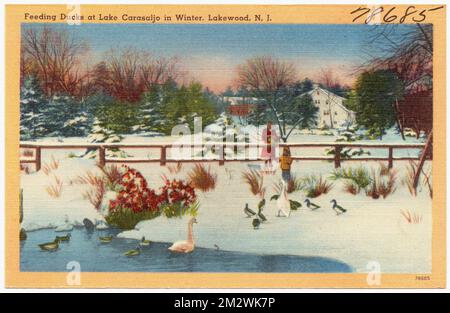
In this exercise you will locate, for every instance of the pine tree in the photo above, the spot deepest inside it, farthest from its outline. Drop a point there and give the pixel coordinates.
(258, 115)
(65, 117)
(32, 101)
(99, 134)
(151, 115)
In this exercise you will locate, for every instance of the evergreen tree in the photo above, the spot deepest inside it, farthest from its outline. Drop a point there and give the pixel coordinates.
(100, 134)
(373, 100)
(305, 106)
(32, 101)
(66, 117)
(258, 114)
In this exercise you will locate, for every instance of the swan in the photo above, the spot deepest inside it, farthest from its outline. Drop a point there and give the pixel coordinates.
(188, 245)
(283, 204)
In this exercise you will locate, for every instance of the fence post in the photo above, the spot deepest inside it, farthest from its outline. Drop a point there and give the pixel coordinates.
(163, 156)
(222, 155)
(337, 156)
(101, 155)
(391, 157)
(38, 158)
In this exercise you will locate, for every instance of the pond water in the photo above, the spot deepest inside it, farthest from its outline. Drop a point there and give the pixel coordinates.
(93, 256)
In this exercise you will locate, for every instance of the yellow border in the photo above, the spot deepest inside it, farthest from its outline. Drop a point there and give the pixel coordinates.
(306, 14)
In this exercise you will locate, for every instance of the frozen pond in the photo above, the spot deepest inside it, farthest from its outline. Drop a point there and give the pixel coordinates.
(93, 256)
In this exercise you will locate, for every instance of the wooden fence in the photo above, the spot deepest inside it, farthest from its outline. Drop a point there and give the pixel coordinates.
(220, 148)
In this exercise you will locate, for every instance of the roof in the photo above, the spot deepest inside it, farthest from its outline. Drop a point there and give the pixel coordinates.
(332, 96)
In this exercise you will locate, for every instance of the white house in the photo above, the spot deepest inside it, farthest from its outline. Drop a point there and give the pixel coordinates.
(332, 113)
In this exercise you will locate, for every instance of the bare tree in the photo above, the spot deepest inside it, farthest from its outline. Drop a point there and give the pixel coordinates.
(269, 79)
(129, 72)
(55, 57)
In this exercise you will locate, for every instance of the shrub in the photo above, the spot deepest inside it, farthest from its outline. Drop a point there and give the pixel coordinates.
(134, 194)
(177, 192)
(202, 178)
(357, 179)
(128, 219)
(315, 186)
(179, 210)
(255, 181)
(135, 202)
(55, 188)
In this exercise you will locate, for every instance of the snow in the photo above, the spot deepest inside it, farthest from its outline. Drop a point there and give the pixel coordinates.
(371, 230)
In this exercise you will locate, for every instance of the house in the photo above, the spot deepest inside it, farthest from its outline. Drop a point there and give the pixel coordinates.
(332, 112)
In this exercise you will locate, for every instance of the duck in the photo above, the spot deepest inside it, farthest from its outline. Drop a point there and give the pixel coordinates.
(50, 246)
(249, 212)
(65, 238)
(256, 222)
(311, 205)
(261, 215)
(261, 204)
(133, 252)
(216, 247)
(283, 204)
(185, 246)
(294, 205)
(105, 239)
(337, 208)
(144, 242)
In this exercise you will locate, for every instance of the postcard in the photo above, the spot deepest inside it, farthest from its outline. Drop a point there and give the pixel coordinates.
(225, 146)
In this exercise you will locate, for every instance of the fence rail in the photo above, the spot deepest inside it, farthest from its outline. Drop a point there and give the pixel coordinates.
(222, 158)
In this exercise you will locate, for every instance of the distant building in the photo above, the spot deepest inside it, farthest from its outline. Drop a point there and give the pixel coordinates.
(332, 112)
(240, 106)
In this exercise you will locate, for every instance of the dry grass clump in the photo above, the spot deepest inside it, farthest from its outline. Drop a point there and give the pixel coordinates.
(95, 194)
(411, 217)
(112, 175)
(408, 180)
(97, 184)
(316, 185)
(382, 184)
(255, 180)
(293, 185)
(175, 169)
(51, 166)
(54, 189)
(201, 177)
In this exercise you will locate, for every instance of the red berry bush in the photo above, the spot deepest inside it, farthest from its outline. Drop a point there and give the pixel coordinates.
(135, 201)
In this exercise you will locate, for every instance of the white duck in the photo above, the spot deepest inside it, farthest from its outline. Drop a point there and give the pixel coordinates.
(185, 246)
(283, 204)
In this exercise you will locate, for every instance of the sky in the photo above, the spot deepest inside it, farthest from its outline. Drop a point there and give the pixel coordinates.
(211, 53)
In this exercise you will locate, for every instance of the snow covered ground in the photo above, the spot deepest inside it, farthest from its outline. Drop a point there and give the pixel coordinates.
(371, 230)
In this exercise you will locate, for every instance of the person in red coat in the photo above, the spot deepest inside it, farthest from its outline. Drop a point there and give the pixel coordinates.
(269, 138)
